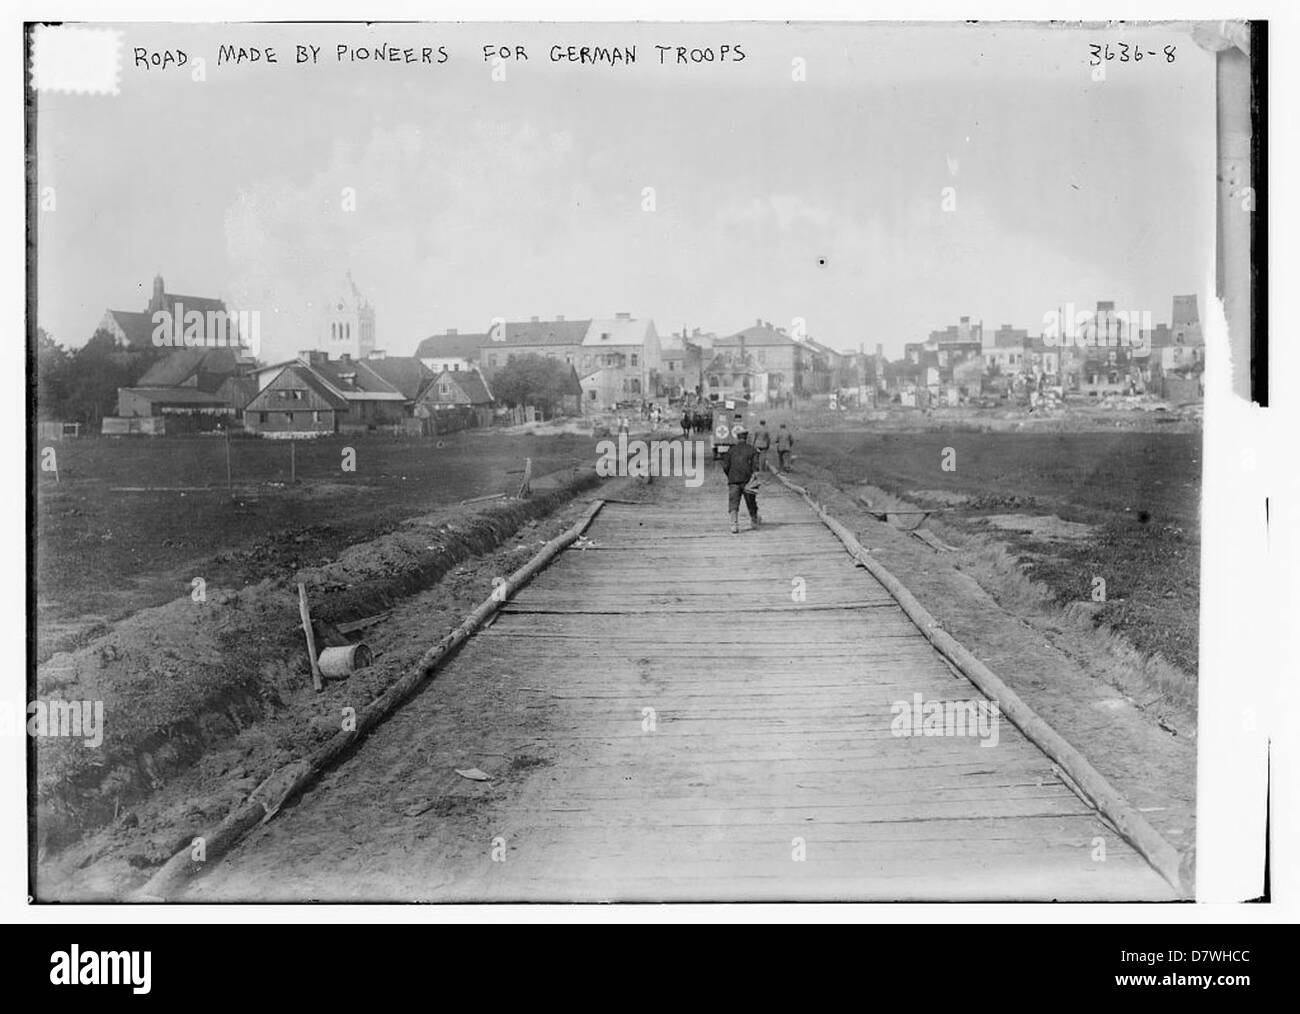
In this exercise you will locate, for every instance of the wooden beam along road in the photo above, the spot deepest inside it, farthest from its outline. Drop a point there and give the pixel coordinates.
(676, 713)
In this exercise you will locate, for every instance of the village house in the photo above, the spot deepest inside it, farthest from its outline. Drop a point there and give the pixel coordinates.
(554, 339)
(186, 391)
(296, 402)
(314, 394)
(760, 362)
(620, 360)
(408, 374)
(453, 350)
(455, 399)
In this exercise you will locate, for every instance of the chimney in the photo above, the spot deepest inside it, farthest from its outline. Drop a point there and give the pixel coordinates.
(622, 316)
(559, 318)
(345, 357)
(758, 322)
(965, 320)
(376, 354)
(452, 330)
(880, 351)
(156, 302)
(314, 356)
(535, 320)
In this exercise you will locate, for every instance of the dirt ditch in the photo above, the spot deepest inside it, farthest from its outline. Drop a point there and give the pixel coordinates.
(208, 694)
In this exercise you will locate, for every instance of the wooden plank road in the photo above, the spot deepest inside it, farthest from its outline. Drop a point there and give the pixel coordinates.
(679, 713)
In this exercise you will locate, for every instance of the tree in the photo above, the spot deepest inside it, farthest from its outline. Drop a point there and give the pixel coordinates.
(98, 369)
(81, 386)
(532, 380)
(53, 373)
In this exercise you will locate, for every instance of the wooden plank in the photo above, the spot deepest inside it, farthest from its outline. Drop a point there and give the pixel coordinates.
(773, 721)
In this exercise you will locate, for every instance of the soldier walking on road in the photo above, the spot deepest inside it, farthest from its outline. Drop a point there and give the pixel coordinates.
(784, 444)
(762, 442)
(739, 465)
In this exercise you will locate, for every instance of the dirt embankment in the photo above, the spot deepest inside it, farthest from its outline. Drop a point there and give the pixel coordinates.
(208, 678)
(1091, 686)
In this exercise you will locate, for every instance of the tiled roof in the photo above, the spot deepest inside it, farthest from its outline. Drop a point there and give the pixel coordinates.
(759, 334)
(177, 367)
(354, 379)
(406, 373)
(471, 383)
(617, 331)
(136, 327)
(451, 346)
(310, 380)
(541, 332)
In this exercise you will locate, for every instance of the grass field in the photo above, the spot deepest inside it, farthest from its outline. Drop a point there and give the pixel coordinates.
(1138, 493)
(130, 522)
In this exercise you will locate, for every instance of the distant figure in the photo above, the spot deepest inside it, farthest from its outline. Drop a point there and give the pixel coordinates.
(623, 424)
(762, 442)
(686, 423)
(784, 444)
(739, 464)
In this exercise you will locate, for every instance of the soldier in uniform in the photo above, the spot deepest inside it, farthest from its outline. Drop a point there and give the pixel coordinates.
(740, 466)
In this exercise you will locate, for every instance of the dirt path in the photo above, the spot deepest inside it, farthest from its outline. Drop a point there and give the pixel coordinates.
(674, 712)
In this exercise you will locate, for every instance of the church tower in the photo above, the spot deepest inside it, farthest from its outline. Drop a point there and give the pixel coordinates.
(349, 324)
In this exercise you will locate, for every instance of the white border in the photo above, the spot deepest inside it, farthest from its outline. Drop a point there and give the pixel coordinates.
(1250, 578)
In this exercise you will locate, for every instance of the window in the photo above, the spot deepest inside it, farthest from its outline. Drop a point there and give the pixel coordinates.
(315, 417)
(455, 367)
(634, 362)
(492, 359)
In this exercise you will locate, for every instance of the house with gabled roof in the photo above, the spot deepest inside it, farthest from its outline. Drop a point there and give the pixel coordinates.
(196, 388)
(455, 399)
(785, 362)
(555, 339)
(322, 395)
(408, 374)
(620, 360)
(454, 350)
(296, 402)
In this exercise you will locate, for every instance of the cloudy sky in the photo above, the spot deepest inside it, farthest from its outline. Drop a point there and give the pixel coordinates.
(821, 199)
